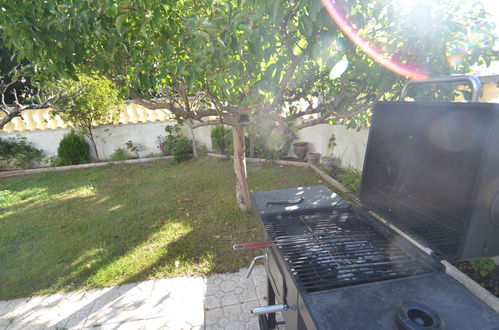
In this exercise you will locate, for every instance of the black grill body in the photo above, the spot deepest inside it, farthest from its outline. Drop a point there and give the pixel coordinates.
(432, 169)
(338, 267)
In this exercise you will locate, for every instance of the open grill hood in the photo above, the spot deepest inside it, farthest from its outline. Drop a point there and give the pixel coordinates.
(432, 169)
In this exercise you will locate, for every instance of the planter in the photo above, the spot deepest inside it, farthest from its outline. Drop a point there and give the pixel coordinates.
(313, 157)
(300, 149)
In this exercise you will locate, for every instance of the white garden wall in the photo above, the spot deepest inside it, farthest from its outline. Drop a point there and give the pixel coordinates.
(350, 143)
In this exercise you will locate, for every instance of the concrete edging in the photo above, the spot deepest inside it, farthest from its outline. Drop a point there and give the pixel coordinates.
(7, 174)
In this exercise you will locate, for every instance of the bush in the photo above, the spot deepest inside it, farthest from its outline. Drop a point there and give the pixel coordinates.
(483, 266)
(260, 149)
(221, 138)
(161, 144)
(180, 148)
(19, 153)
(73, 149)
(119, 154)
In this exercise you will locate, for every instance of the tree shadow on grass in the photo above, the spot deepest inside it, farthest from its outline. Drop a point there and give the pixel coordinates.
(94, 234)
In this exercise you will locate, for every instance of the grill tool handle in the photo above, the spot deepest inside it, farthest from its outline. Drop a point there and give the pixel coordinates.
(288, 202)
(272, 309)
(256, 245)
(255, 259)
(476, 85)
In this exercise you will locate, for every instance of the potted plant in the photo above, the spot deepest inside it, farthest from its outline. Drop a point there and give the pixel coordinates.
(313, 157)
(300, 149)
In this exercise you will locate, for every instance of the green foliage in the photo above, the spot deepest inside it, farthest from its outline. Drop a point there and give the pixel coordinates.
(119, 154)
(73, 149)
(161, 144)
(483, 266)
(221, 138)
(19, 153)
(261, 149)
(247, 53)
(95, 101)
(181, 148)
(350, 178)
(331, 142)
(177, 145)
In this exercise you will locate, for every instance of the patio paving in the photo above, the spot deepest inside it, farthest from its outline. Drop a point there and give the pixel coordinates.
(221, 301)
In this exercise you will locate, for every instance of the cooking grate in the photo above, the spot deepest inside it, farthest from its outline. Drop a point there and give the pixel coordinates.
(337, 249)
(421, 222)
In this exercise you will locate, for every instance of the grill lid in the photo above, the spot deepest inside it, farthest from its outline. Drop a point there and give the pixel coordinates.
(423, 168)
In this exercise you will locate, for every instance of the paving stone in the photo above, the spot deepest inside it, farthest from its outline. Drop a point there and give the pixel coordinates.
(222, 301)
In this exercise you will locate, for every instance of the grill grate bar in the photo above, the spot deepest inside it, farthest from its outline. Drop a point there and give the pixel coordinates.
(336, 249)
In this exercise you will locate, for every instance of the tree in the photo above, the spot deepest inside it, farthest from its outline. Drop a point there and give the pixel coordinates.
(95, 102)
(220, 62)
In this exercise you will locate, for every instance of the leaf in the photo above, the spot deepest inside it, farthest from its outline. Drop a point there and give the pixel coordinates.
(221, 42)
(119, 23)
(202, 35)
(143, 29)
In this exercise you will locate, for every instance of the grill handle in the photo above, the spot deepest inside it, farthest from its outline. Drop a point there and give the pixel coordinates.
(256, 245)
(476, 85)
(288, 202)
(255, 259)
(272, 309)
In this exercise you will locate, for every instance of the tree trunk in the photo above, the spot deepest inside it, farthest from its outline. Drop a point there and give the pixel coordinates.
(242, 189)
(91, 136)
(194, 147)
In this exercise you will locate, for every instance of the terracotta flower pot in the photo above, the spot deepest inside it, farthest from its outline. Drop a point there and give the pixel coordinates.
(313, 157)
(300, 149)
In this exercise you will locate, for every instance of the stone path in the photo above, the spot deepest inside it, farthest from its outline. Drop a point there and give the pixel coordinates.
(221, 301)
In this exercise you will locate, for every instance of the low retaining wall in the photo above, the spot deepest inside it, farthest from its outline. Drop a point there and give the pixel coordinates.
(7, 174)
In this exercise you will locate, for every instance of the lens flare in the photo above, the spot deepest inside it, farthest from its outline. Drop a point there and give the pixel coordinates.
(372, 52)
(338, 69)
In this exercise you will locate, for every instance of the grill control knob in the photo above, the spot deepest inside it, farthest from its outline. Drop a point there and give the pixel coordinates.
(416, 316)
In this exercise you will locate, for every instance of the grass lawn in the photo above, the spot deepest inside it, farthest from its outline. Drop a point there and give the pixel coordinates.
(103, 226)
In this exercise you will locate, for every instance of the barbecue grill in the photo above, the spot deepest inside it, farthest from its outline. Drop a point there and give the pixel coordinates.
(431, 170)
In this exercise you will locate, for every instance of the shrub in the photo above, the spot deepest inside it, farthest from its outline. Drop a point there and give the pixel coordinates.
(221, 138)
(73, 149)
(161, 144)
(350, 178)
(177, 145)
(20, 153)
(119, 154)
(180, 148)
(260, 148)
(483, 266)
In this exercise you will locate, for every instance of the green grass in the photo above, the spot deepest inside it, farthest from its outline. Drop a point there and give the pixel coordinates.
(89, 228)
